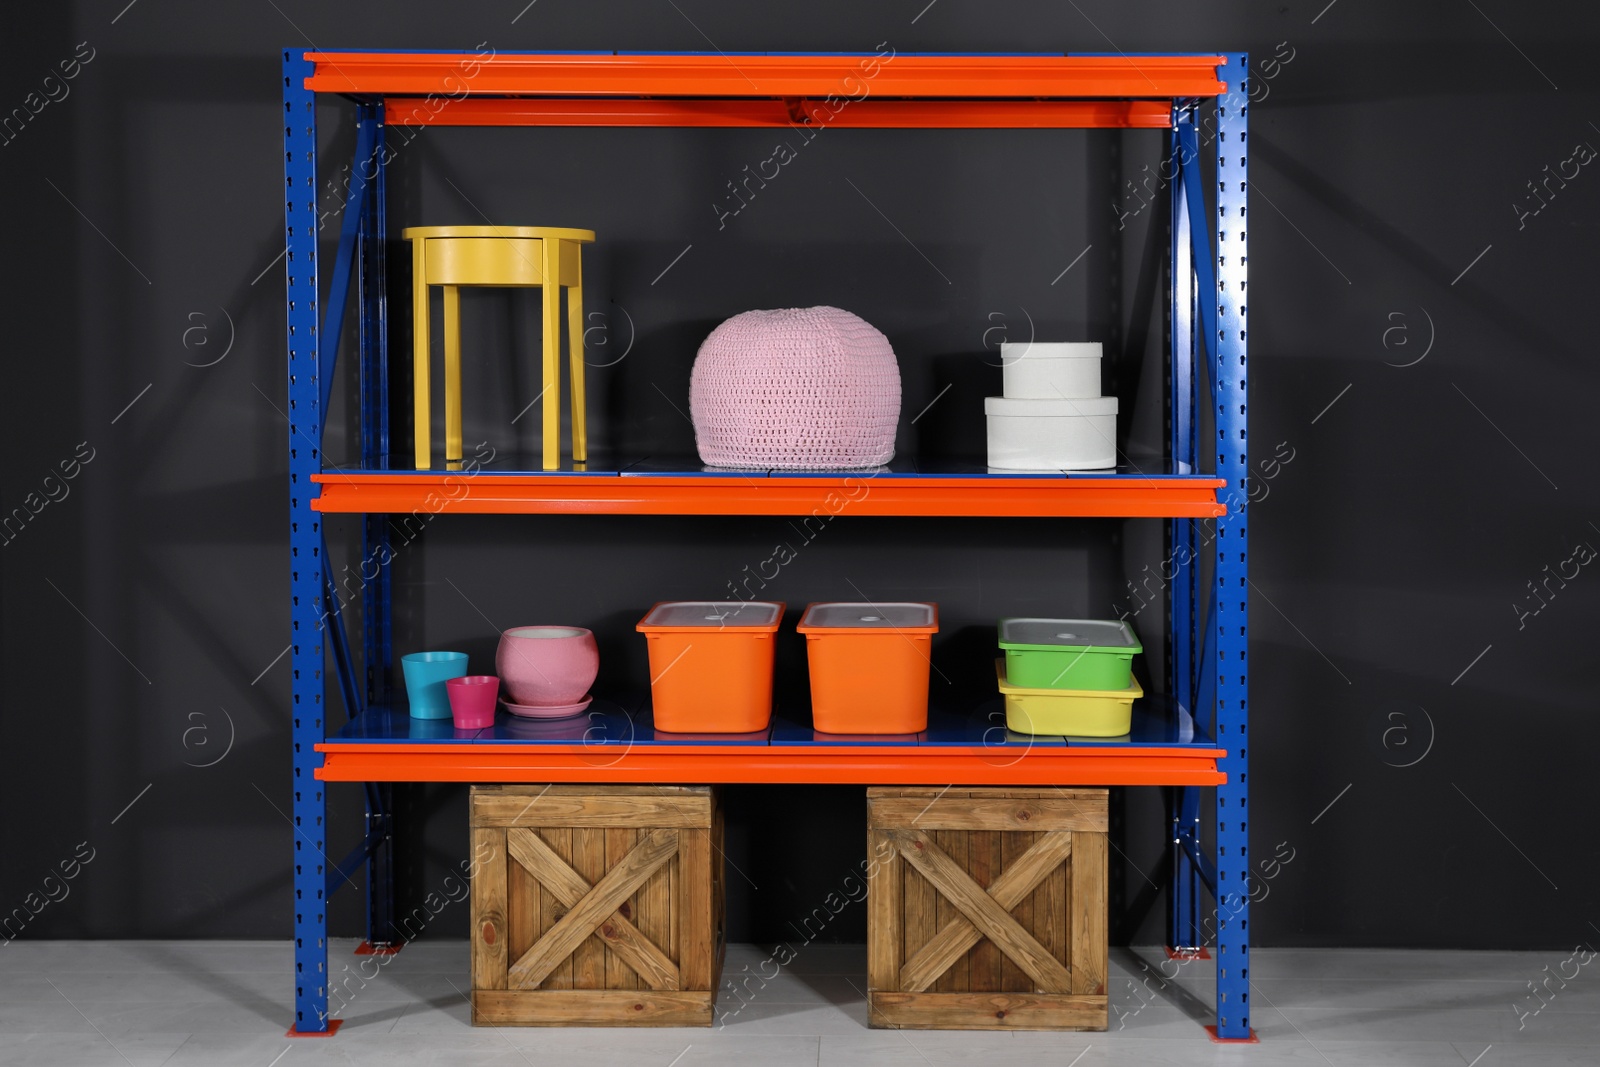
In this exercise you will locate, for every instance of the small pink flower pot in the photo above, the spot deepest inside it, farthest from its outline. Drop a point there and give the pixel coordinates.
(547, 666)
(472, 700)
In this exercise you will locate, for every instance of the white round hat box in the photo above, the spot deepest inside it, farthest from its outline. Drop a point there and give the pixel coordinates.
(1051, 370)
(1052, 435)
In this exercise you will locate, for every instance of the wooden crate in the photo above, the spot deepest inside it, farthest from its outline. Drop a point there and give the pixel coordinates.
(596, 905)
(987, 909)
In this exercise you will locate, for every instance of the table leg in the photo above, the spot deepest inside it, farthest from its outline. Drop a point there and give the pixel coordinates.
(419, 370)
(551, 271)
(580, 430)
(452, 374)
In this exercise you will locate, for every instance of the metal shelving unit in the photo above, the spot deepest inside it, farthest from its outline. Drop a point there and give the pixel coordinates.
(1194, 738)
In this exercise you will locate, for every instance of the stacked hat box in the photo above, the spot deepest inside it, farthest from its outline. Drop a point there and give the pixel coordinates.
(1052, 416)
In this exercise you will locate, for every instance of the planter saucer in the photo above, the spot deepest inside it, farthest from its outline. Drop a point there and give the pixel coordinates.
(562, 711)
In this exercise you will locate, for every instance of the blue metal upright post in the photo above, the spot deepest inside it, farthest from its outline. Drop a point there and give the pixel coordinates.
(1230, 585)
(1183, 891)
(306, 563)
(377, 643)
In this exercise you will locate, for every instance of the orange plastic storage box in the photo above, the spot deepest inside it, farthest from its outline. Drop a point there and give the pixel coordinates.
(869, 666)
(711, 664)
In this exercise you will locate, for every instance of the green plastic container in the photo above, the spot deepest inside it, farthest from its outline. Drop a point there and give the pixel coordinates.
(1069, 653)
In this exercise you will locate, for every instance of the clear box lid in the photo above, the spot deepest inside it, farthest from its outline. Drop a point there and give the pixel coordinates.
(713, 615)
(1069, 635)
(838, 616)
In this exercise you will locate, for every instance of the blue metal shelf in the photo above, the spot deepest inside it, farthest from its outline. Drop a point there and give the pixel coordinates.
(1157, 723)
(1138, 468)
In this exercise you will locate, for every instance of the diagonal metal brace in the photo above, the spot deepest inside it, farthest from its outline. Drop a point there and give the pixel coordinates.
(344, 872)
(343, 264)
(1207, 870)
(1205, 262)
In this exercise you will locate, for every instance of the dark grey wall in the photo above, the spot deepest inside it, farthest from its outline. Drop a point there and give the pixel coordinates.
(1421, 743)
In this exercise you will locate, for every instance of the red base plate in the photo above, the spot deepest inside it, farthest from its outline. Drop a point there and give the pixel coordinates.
(1188, 953)
(367, 948)
(1251, 1040)
(333, 1028)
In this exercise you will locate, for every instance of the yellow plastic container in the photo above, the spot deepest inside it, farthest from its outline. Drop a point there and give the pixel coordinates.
(1074, 712)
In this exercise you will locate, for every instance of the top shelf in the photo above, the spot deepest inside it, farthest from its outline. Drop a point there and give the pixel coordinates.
(868, 89)
(736, 74)
(677, 488)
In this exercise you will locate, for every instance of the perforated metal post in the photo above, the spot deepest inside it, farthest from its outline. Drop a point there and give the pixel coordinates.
(375, 575)
(1183, 891)
(1230, 584)
(307, 685)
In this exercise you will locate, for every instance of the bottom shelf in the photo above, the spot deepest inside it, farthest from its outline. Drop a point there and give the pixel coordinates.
(616, 741)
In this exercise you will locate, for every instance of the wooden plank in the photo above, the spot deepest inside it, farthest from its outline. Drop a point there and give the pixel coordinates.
(1090, 914)
(619, 842)
(584, 789)
(1039, 925)
(1004, 793)
(490, 928)
(986, 1011)
(1014, 885)
(589, 860)
(1013, 846)
(674, 944)
(599, 1007)
(644, 959)
(551, 908)
(983, 864)
(534, 797)
(557, 809)
(885, 894)
(993, 921)
(619, 883)
(719, 883)
(917, 914)
(954, 845)
(992, 813)
(1051, 918)
(654, 921)
(696, 897)
(522, 910)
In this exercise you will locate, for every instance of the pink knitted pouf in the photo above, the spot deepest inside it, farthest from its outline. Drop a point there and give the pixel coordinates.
(795, 389)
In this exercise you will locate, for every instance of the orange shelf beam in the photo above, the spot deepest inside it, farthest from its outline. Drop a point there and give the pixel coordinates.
(774, 764)
(461, 74)
(798, 113)
(596, 494)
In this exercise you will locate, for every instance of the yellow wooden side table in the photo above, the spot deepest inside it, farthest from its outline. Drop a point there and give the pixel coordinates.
(507, 256)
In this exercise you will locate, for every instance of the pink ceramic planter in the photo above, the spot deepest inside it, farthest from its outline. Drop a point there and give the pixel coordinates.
(547, 666)
(472, 700)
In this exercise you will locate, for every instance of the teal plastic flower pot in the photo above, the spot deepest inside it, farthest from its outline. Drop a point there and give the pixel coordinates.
(425, 674)
(1069, 653)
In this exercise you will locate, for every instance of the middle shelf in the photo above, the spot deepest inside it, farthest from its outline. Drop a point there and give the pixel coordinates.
(616, 741)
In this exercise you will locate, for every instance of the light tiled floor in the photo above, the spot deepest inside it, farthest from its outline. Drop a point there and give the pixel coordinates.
(216, 1004)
